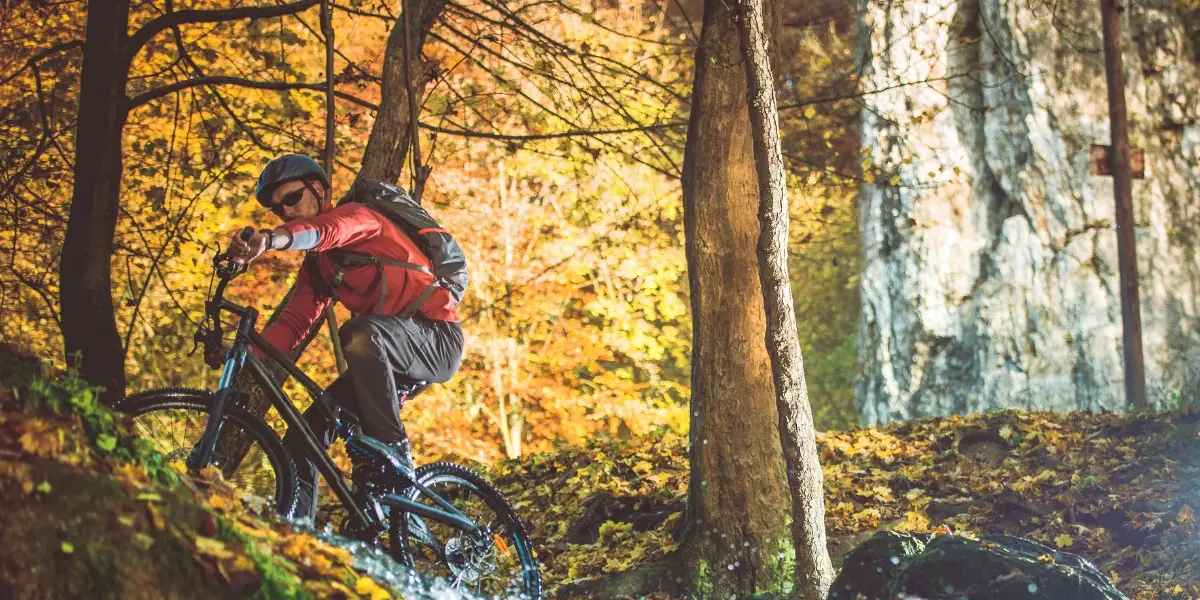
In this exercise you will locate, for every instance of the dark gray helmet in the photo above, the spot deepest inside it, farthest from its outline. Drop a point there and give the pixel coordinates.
(288, 167)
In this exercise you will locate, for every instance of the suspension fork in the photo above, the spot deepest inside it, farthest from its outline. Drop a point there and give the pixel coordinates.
(202, 454)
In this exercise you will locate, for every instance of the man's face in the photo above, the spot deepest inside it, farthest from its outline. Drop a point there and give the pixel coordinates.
(308, 206)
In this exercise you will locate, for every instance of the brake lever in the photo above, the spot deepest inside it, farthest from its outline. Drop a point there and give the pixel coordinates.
(195, 343)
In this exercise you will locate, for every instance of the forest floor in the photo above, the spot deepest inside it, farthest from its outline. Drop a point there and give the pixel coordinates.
(1120, 490)
(88, 511)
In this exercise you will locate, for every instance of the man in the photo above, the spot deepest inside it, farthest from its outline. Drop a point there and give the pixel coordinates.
(405, 323)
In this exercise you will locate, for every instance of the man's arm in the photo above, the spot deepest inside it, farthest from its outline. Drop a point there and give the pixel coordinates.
(302, 310)
(339, 227)
(342, 226)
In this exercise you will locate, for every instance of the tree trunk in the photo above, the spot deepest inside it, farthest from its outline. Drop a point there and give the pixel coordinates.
(388, 144)
(85, 291)
(736, 541)
(814, 572)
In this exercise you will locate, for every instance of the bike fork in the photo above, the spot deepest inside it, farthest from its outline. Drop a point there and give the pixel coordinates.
(201, 455)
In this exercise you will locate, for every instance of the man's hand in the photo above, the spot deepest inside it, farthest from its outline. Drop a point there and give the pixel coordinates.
(244, 251)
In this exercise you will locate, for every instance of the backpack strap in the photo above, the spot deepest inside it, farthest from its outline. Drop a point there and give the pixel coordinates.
(348, 259)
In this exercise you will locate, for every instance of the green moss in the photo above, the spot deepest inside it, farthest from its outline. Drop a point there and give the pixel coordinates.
(702, 583)
(106, 562)
(774, 577)
(278, 579)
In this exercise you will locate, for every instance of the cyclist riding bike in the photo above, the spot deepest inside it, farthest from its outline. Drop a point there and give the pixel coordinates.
(366, 252)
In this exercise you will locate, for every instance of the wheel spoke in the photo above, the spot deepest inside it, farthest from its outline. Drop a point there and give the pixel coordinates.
(175, 425)
(459, 560)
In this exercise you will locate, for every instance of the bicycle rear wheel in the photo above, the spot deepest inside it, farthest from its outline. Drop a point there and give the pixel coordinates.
(502, 567)
(175, 419)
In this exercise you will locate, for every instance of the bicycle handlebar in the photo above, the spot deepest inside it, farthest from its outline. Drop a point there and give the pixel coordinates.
(226, 270)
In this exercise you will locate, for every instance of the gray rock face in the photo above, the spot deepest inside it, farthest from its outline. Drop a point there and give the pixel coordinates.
(990, 276)
(948, 567)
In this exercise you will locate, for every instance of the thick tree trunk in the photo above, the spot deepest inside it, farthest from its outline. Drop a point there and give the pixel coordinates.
(388, 144)
(736, 540)
(814, 572)
(88, 322)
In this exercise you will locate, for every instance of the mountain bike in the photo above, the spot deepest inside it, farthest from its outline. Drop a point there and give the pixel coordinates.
(442, 520)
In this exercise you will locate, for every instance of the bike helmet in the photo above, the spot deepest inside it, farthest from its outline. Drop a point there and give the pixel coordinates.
(288, 167)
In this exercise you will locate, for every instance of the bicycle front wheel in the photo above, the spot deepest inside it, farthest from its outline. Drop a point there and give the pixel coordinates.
(174, 419)
(502, 566)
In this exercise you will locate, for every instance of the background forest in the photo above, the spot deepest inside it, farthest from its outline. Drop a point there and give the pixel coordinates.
(555, 134)
(603, 165)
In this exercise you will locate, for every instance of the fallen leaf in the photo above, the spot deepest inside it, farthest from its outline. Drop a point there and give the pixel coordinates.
(212, 547)
(41, 438)
(365, 586)
(156, 517)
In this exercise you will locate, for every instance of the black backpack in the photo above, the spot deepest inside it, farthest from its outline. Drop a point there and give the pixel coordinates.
(449, 264)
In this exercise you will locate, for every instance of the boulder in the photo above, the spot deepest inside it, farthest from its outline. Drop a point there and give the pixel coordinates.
(948, 567)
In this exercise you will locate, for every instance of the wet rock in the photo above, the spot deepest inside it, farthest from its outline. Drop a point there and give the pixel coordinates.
(948, 567)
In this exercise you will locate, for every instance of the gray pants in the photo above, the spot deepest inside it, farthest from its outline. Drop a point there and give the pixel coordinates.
(376, 347)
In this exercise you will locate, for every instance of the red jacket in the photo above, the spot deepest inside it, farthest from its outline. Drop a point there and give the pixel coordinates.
(353, 226)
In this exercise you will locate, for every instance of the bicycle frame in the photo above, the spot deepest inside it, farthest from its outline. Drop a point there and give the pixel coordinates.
(238, 357)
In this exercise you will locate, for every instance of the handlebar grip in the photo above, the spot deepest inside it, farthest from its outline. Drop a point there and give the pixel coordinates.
(247, 232)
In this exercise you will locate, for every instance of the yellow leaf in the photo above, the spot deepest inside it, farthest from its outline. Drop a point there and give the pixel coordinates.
(1063, 541)
(220, 502)
(1186, 515)
(210, 547)
(41, 438)
(895, 180)
(243, 563)
(809, 112)
(156, 517)
(365, 586)
(341, 588)
(869, 177)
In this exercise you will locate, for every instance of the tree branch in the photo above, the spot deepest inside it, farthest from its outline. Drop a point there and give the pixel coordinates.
(172, 19)
(462, 132)
(156, 93)
(40, 55)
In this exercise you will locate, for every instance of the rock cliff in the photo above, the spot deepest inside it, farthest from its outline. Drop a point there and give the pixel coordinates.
(990, 268)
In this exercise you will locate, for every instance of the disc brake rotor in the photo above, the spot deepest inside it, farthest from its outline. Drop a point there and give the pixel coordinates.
(468, 561)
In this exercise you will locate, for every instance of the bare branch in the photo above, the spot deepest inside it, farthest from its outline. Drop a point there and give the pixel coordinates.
(183, 17)
(40, 55)
(319, 86)
(462, 132)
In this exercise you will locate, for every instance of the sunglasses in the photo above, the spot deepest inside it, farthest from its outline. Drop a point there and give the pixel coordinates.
(291, 198)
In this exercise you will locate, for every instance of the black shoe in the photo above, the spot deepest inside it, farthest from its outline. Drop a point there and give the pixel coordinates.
(372, 457)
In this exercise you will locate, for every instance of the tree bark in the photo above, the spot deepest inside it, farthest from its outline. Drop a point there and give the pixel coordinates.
(814, 572)
(387, 145)
(736, 541)
(85, 290)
